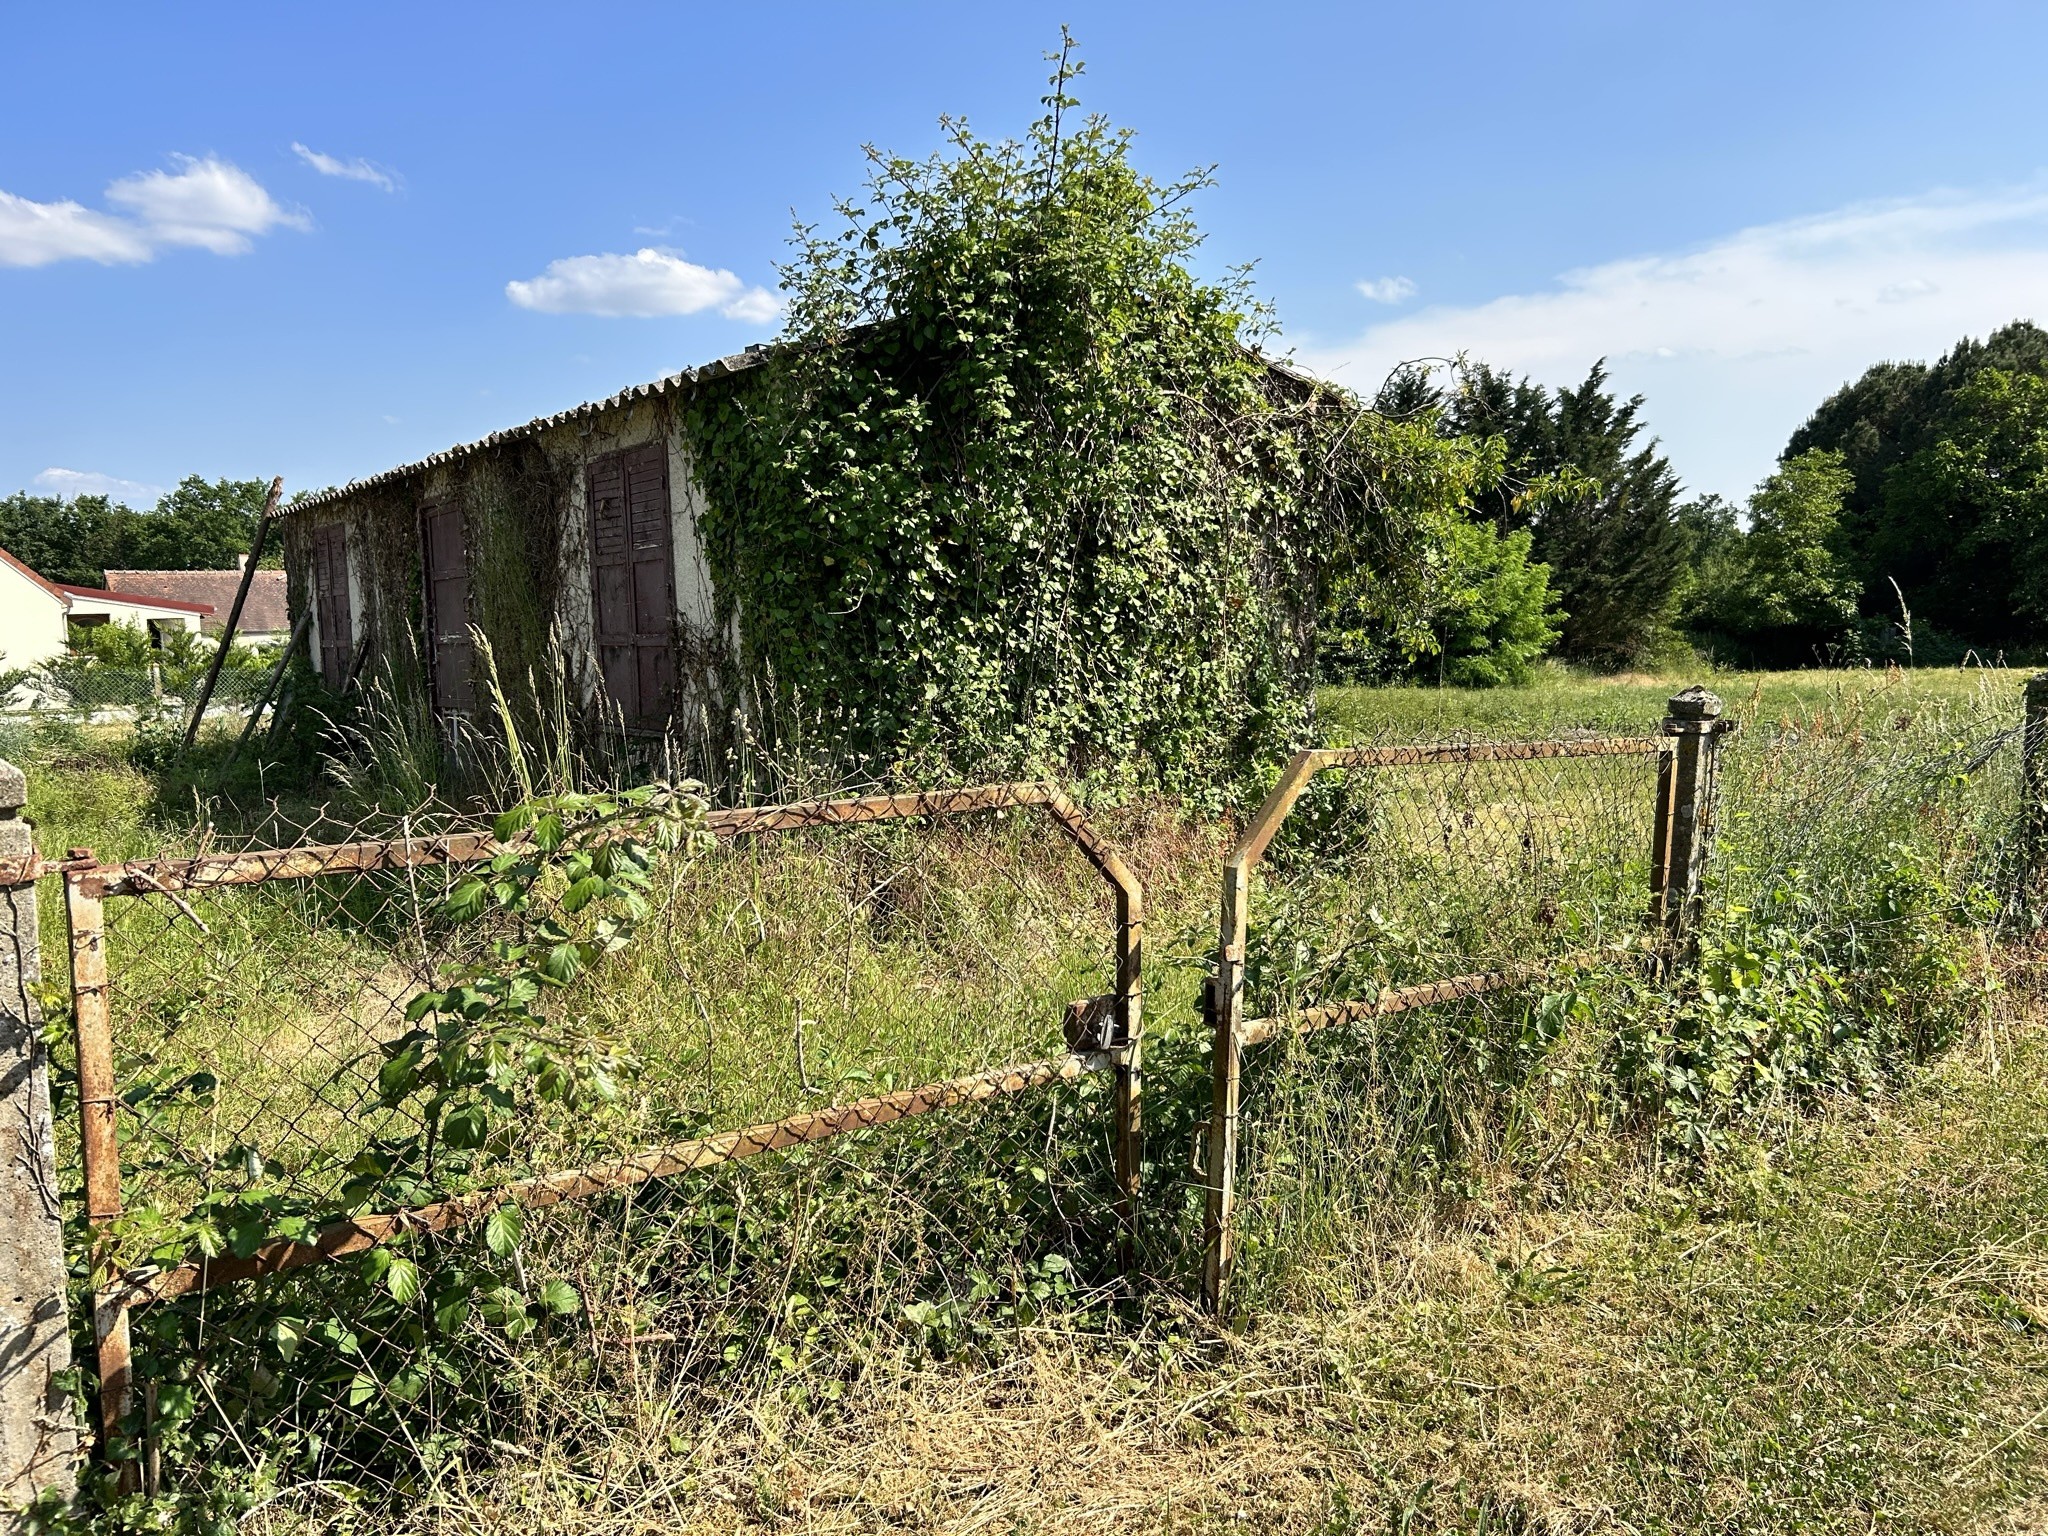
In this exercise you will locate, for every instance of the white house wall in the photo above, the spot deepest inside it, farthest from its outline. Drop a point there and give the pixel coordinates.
(85, 608)
(31, 622)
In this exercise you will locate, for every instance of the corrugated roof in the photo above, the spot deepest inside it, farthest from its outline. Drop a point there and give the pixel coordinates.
(264, 612)
(674, 383)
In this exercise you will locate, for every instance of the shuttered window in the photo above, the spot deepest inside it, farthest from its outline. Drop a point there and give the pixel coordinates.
(447, 605)
(632, 567)
(330, 603)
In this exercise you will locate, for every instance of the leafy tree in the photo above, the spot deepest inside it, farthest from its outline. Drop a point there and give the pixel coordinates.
(1499, 614)
(1713, 531)
(1900, 522)
(1487, 615)
(1984, 485)
(1018, 490)
(199, 526)
(1600, 507)
(70, 541)
(1777, 594)
(1795, 580)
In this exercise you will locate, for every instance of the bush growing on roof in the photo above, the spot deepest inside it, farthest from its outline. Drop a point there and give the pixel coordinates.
(1018, 492)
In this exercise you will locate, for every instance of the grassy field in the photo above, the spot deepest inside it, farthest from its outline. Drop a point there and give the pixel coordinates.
(1485, 1286)
(1633, 703)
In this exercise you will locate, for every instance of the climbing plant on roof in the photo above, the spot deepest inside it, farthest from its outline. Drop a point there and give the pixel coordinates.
(1019, 491)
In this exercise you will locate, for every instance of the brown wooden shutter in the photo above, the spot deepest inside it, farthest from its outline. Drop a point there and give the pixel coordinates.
(447, 605)
(330, 603)
(632, 567)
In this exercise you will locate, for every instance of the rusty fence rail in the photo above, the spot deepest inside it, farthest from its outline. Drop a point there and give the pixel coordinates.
(1102, 1034)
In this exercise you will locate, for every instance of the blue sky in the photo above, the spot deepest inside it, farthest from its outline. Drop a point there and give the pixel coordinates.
(319, 241)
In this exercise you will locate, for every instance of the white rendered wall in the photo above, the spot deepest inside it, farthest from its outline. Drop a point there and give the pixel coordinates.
(31, 622)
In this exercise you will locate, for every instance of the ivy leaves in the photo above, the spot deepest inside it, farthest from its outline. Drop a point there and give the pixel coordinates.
(1021, 496)
(491, 1048)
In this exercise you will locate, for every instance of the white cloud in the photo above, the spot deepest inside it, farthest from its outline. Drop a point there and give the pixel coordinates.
(647, 283)
(206, 203)
(34, 234)
(1387, 290)
(347, 170)
(83, 482)
(1736, 342)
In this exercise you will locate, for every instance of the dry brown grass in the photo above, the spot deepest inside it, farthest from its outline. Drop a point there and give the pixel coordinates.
(1844, 1326)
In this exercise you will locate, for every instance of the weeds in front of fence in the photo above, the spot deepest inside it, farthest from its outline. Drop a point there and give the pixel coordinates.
(1857, 877)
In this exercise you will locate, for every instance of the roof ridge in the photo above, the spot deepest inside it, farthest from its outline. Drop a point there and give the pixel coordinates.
(138, 599)
(668, 384)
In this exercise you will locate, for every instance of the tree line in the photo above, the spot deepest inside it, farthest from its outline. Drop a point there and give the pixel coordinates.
(200, 525)
(1907, 520)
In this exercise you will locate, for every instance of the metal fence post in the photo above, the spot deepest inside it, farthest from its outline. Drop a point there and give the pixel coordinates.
(2034, 787)
(38, 1436)
(98, 1100)
(1225, 1006)
(1688, 791)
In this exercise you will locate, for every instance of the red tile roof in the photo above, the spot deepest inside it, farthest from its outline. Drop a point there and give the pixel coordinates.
(48, 586)
(265, 613)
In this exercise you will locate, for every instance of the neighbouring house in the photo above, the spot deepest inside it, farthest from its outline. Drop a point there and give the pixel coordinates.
(31, 616)
(266, 618)
(37, 616)
(574, 536)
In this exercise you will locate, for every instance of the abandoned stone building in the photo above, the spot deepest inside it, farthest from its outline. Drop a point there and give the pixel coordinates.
(574, 535)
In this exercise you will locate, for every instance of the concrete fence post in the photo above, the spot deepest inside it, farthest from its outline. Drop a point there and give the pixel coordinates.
(1688, 795)
(39, 1439)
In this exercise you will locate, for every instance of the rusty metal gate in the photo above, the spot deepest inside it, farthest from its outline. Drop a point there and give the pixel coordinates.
(1486, 801)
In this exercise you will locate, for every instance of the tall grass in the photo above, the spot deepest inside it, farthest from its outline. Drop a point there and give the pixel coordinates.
(1862, 866)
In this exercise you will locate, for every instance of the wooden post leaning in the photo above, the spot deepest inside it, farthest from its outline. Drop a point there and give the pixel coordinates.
(99, 1145)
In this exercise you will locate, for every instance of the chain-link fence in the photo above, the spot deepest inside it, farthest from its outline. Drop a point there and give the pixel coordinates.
(396, 1138)
(398, 1051)
(94, 691)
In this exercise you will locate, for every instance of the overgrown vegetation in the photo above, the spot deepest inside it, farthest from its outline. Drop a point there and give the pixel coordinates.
(1020, 490)
(1447, 1175)
(1619, 1246)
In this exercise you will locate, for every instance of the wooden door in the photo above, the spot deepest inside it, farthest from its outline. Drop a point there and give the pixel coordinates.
(447, 608)
(330, 604)
(632, 566)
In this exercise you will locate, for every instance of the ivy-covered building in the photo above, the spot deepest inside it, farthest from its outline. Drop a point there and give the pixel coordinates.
(573, 536)
(925, 578)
